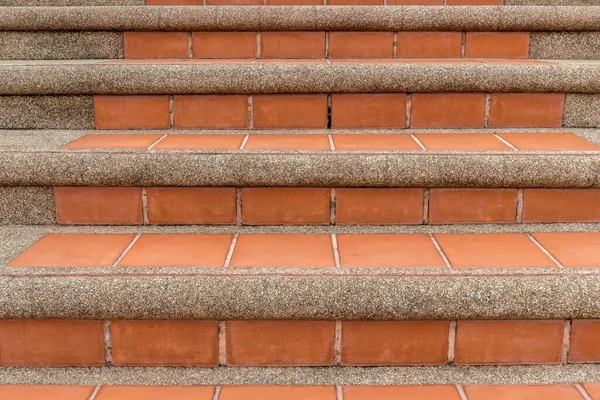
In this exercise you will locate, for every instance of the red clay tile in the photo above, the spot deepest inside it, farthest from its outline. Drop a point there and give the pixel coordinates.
(193, 205)
(98, 205)
(292, 44)
(415, 2)
(522, 392)
(374, 142)
(585, 341)
(379, 206)
(287, 142)
(408, 392)
(211, 112)
(178, 250)
(448, 110)
(492, 250)
(573, 249)
(73, 250)
(280, 343)
(260, 392)
(394, 342)
(548, 141)
(429, 44)
(203, 142)
(454, 206)
(165, 343)
(285, 206)
(461, 141)
(508, 342)
(132, 112)
(156, 393)
(293, 251)
(497, 45)
(561, 205)
(593, 389)
(45, 392)
(529, 110)
(224, 44)
(388, 251)
(174, 2)
(279, 111)
(368, 110)
(113, 141)
(156, 44)
(51, 343)
(361, 44)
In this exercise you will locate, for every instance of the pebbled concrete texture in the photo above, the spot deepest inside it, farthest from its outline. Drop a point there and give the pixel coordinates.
(517, 374)
(552, 2)
(26, 205)
(582, 110)
(60, 45)
(57, 3)
(565, 45)
(46, 112)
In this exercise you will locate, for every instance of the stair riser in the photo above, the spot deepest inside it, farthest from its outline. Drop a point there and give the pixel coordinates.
(311, 45)
(295, 206)
(39, 343)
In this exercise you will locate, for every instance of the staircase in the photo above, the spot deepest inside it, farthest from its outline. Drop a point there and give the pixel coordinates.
(301, 202)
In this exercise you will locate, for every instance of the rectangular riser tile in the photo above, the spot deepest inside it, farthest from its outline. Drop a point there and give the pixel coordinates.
(296, 343)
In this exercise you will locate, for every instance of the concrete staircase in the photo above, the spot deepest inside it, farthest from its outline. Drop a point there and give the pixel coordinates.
(331, 203)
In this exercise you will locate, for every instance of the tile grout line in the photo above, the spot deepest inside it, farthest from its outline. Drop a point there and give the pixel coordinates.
(190, 52)
(416, 139)
(145, 215)
(222, 343)
(506, 142)
(542, 248)
(463, 44)
(258, 39)
(461, 392)
(426, 197)
(440, 251)
(339, 394)
(217, 392)
(394, 44)
(238, 207)
(231, 250)
(250, 112)
(107, 343)
(520, 193)
(172, 111)
(486, 111)
(244, 141)
(337, 344)
(407, 117)
(451, 341)
(566, 344)
(118, 260)
(332, 205)
(95, 392)
(160, 139)
(582, 390)
(331, 144)
(336, 252)
(326, 42)
(329, 111)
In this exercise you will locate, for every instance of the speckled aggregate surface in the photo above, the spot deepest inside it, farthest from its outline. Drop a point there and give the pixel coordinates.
(582, 110)
(565, 45)
(46, 112)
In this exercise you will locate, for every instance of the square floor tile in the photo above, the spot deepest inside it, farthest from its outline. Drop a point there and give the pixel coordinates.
(287, 142)
(374, 142)
(201, 142)
(461, 141)
(155, 393)
(573, 249)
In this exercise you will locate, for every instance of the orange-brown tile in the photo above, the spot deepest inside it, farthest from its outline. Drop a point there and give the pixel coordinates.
(388, 251)
(593, 389)
(429, 44)
(561, 205)
(280, 343)
(361, 44)
(294, 2)
(573, 249)
(497, 45)
(448, 110)
(454, 206)
(408, 392)
(290, 111)
(132, 112)
(156, 44)
(378, 206)
(508, 342)
(285, 206)
(211, 112)
(51, 343)
(201, 142)
(415, 2)
(548, 141)
(204, 205)
(178, 250)
(98, 205)
(522, 392)
(529, 110)
(368, 110)
(394, 342)
(461, 141)
(73, 250)
(165, 343)
(234, 2)
(374, 142)
(174, 2)
(156, 393)
(492, 250)
(292, 44)
(113, 141)
(287, 142)
(293, 251)
(45, 392)
(260, 392)
(224, 44)
(585, 341)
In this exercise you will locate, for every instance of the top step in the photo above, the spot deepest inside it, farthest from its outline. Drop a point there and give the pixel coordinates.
(298, 2)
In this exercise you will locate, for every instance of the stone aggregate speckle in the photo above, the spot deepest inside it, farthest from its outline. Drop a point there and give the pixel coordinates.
(46, 112)
(582, 110)
(26, 205)
(565, 45)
